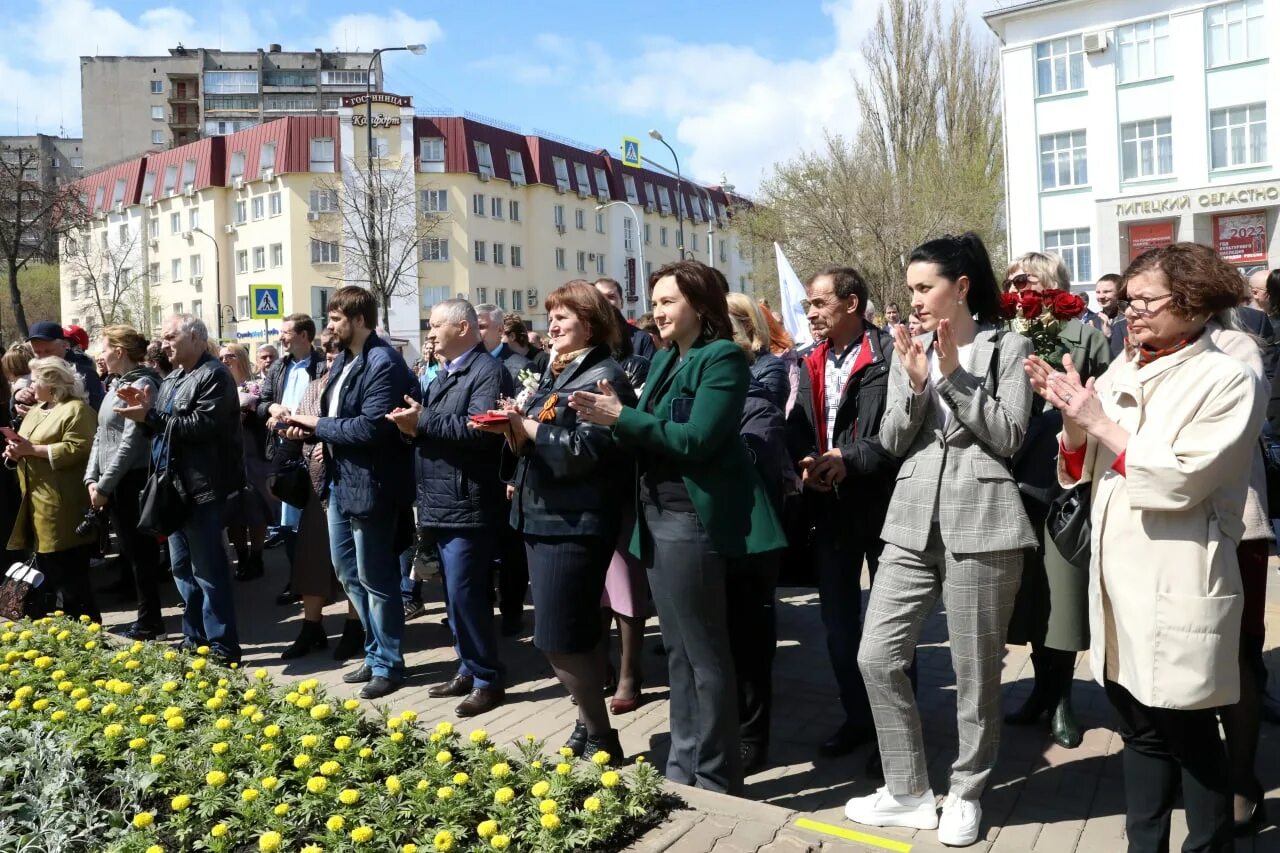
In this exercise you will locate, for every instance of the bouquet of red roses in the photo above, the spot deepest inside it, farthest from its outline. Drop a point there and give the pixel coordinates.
(1040, 316)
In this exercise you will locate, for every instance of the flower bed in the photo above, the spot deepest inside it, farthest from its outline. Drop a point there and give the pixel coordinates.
(171, 751)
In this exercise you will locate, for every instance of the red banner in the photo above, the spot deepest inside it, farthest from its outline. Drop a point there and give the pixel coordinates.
(1144, 236)
(1241, 238)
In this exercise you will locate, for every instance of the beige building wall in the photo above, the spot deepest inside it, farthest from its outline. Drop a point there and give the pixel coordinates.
(117, 104)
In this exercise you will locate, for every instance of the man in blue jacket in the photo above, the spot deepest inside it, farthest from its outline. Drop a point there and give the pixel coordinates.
(370, 480)
(460, 497)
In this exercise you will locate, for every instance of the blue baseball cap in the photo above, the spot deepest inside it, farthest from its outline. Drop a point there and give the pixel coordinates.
(46, 330)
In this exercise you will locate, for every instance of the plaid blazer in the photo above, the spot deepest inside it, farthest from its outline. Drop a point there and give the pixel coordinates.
(961, 478)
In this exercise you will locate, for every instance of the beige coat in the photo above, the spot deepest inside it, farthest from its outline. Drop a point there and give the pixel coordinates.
(1164, 585)
(1244, 347)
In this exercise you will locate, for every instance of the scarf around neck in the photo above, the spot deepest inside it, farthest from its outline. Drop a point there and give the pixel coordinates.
(1146, 354)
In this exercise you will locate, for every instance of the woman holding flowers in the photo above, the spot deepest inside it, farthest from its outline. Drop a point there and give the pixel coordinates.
(1051, 611)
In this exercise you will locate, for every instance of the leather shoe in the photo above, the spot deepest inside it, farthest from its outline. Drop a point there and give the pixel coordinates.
(287, 597)
(754, 757)
(459, 685)
(577, 740)
(358, 676)
(478, 701)
(1065, 730)
(378, 687)
(608, 743)
(846, 739)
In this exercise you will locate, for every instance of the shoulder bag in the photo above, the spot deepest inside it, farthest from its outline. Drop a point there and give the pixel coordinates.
(19, 589)
(162, 506)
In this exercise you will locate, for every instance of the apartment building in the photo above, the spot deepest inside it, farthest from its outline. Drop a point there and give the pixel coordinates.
(493, 215)
(1131, 124)
(137, 104)
(45, 161)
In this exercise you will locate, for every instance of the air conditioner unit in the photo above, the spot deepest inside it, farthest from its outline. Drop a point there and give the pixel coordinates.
(313, 216)
(188, 235)
(153, 245)
(560, 228)
(197, 281)
(531, 295)
(119, 208)
(268, 175)
(238, 182)
(591, 256)
(229, 229)
(147, 200)
(189, 191)
(1095, 42)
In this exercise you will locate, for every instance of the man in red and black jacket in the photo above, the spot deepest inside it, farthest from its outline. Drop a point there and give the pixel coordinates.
(833, 434)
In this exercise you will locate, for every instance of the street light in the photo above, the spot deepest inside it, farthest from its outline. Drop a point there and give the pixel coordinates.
(639, 238)
(416, 50)
(217, 278)
(654, 134)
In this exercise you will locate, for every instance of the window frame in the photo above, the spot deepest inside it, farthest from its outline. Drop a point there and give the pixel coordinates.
(1070, 251)
(1247, 130)
(1141, 141)
(1074, 156)
(1070, 50)
(1153, 32)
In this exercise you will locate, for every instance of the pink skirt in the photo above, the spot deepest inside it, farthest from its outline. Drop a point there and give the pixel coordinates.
(626, 585)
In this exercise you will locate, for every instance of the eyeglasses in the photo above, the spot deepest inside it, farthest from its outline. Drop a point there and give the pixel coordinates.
(1020, 281)
(818, 303)
(1141, 306)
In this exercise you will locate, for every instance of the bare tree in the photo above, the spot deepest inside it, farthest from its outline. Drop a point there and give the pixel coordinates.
(33, 215)
(377, 222)
(109, 277)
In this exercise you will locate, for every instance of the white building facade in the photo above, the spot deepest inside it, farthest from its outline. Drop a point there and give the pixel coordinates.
(1132, 124)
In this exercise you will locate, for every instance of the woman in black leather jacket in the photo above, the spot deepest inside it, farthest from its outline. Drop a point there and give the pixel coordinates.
(566, 502)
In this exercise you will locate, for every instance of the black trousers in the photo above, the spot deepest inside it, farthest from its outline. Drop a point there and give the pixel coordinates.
(1166, 750)
(140, 551)
(66, 576)
(750, 593)
(513, 571)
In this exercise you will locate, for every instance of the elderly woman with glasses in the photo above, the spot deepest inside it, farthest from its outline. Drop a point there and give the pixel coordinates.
(1165, 441)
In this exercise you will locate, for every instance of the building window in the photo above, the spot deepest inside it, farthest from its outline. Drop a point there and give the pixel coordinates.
(157, 113)
(322, 201)
(562, 173)
(432, 149)
(1235, 32)
(177, 308)
(1059, 66)
(599, 223)
(582, 261)
(513, 210)
(197, 266)
(277, 255)
(322, 154)
(170, 179)
(277, 204)
(323, 252)
(157, 87)
(559, 215)
(175, 269)
(515, 166)
(580, 219)
(433, 295)
(175, 222)
(628, 234)
(345, 77)
(237, 165)
(517, 300)
(1143, 50)
(724, 251)
(693, 239)
(516, 259)
(193, 218)
(584, 182)
(435, 201)
(647, 235)
(499, 253)
(242, 262)
(629, 184)
(664, 200)
(481, 252)
(477, 204)
(153, 227)
(381, 146)
(242, 213)
(495, 208)
(259, 208)
(500, 298)
(435, 249)
(484, 159)
(482, 295)
(599, 264)
(662, 235)
(259, 258)
(1062, 160)
(188, 175)
(559, 259)
(242, 307)
(157, 137)
(1238, 136)
(602, 183)
(266, 156)
(197, 308)
(1146, 149)
(1072, 245)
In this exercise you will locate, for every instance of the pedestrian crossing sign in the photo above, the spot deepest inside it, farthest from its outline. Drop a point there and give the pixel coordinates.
(630, 152)
(266, 301)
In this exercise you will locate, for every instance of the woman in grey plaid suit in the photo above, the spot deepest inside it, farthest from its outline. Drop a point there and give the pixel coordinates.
(959, 402)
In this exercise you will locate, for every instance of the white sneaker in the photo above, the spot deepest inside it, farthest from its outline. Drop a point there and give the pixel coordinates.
(884, 809)
(960, 821)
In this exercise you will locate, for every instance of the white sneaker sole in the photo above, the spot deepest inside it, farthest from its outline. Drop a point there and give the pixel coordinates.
(958, 840)
(924, 817)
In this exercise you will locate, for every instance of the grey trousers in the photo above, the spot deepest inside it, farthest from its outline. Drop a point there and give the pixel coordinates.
(978, 591)
(688, 583)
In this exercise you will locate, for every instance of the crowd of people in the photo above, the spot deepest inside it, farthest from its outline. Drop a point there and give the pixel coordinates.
(682, 464)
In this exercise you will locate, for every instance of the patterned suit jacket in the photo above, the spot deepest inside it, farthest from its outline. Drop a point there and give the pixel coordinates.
(961, 477)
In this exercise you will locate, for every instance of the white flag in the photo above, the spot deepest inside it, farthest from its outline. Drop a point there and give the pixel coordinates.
(792, 292)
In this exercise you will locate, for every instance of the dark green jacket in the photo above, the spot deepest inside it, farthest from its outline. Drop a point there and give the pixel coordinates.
(724, 487)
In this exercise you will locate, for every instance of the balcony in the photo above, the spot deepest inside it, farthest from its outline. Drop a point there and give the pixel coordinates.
(185, 89)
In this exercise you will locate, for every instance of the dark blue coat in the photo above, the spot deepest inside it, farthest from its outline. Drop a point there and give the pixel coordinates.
(456, 467)
(370, 469)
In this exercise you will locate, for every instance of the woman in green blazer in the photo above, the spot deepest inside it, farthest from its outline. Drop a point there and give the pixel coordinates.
(700, 502)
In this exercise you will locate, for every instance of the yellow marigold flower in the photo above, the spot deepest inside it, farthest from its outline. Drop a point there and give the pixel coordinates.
(79, 693)
(444, 756)
(271, 730)
(218, 830)
(169, 686)
(478, 736)
(335, 823)
(170, 655)
(301, 760)
(313, 848)
(305, 702)
(639, 759)
(64, 686)
(566, 752)
(132, 664)
(257, 717)
(330, 768)
(40, 704)
(148, 719)
(222, 724)
(487, 828)
(213, 703)
(435, 737)
(536, 765)
(443, 841)
(540, 789)
(84, 705)
(310, 684)
(220, 748)
(94, 628)
(361, 834)
(409, 848)
(365, 752)
(267, 747)
(393, 785)
(109, 709)
(547, 807)
(15, 705)
(600, 759)
(394, 723)
(249, 794)
(202, 650)
(270, 783)
(176, 724)
(251, 694)
(409, 716)
(320, 712)
(564, 769)
(444, 793)
(260, 674)
(351, 704)
(501, 770)
(143, 819)
(137, 743)
(158, 758)
(63, 636)
(215, 778)
(317, 784)
(199, 664)
(500, 842)
(342, 743)
(349, 796)
(309, 741)
(113, 731)
(423, 784)
(180, 803)
(461, 778)
(292, 697)
(91, 645)
(43, 662)
(591, 804)
(610, 778)
(268, 842)
(503, 795)
(397, 737)
(58, 715)
(550, 822)
(171, 711)
(155, 848)
(444, 728)
(281, 809)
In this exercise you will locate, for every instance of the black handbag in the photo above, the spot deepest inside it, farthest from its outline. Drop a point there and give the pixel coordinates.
(291, 482)
(162, 505)
(1069, 525)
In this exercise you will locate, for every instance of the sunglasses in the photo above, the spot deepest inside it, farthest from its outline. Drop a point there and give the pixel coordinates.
(1020, 281)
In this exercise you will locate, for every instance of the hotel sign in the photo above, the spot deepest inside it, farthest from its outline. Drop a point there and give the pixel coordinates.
(378, 120)
(377, 98)
(1208, 200)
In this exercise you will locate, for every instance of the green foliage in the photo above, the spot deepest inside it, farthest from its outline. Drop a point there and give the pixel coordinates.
(41, 299)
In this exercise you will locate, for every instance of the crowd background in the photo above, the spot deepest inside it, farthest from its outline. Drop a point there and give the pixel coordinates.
(688, 464)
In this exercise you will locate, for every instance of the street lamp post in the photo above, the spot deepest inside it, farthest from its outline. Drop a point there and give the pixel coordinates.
(217, 278)
(416, 50)
(639, 238)
(679, 191)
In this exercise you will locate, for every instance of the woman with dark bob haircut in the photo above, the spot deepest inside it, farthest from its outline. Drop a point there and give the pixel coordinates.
(700, 503)
(566, 503)
(1165, 439)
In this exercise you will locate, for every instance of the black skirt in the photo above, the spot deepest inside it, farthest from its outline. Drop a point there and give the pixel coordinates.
(567, 575)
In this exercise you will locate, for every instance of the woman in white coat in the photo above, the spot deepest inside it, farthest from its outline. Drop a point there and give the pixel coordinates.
(1166, 439)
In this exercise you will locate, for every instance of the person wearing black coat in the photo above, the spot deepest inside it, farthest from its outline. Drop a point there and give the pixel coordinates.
(567, 505)
(460, 498)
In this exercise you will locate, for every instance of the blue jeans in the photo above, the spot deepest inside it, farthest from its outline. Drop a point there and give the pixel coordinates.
(410, 589)
(204, 581)
(369, 571)
(465, 557)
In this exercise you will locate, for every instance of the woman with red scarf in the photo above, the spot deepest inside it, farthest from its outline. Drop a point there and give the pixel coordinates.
(1166, 439)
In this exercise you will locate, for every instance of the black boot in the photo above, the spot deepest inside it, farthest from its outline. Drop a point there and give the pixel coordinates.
(255, 567)
(577, 740)
(310, 639)
(1065, 729)
(242, 563)
(607, 742)
(352, 643)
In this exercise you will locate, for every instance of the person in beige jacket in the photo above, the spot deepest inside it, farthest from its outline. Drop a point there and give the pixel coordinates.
(1166, 438)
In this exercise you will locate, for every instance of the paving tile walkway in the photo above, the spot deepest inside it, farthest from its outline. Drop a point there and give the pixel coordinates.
(1042, 799)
